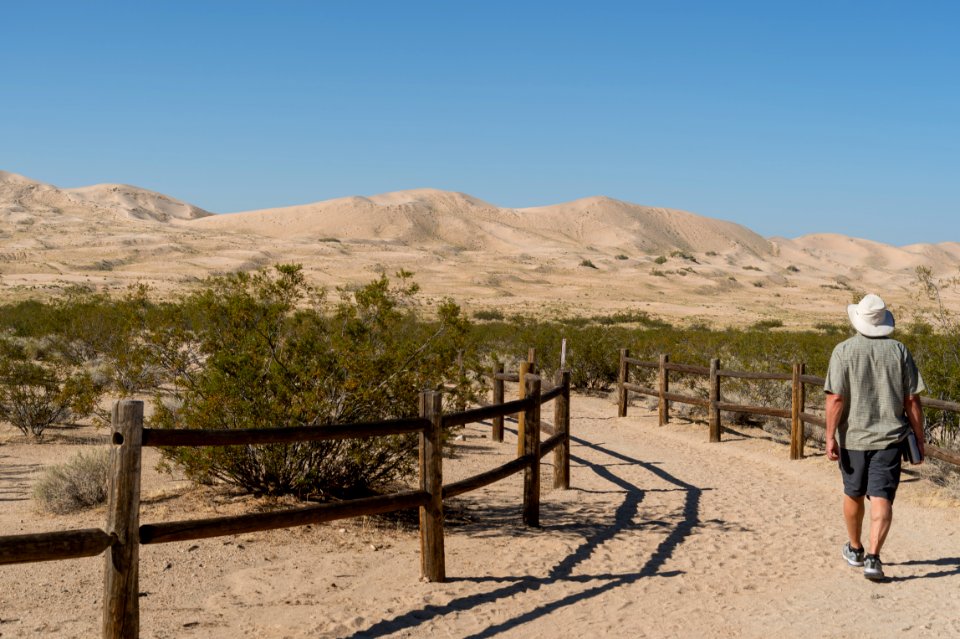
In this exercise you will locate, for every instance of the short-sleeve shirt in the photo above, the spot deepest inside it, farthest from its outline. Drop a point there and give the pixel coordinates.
(874, 375)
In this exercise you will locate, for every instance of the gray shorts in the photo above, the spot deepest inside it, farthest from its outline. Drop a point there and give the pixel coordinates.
(874, 473)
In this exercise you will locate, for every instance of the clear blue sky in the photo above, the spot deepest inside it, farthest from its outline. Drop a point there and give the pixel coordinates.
(787, 117)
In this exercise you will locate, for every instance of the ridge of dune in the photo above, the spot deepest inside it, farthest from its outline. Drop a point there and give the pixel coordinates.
(416, 217)
(431, 216)
(851, 252)
(31, 198)
(608, 222)
(137, 202)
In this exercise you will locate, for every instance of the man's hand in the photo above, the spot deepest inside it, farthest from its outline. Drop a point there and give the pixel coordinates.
(833, 449)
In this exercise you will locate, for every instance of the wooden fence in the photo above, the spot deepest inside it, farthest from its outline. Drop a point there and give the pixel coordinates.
(796, 413)
(124, 534)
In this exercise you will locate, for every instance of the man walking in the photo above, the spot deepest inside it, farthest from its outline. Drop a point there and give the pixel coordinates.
(873, 397)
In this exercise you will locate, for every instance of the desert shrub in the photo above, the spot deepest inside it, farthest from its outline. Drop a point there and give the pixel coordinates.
(27, 319)
(621, 256)
(934, 339)
(657, 273)
(684, 256)
(660, 260)
(35, 396)
(592, 349)
(763, 325)
(490, 314)
(592, 357)
(793, 269)
(84, 328)
(257, 350)
(588, 264)
(834, 328)
(78, 484)
(630, 317)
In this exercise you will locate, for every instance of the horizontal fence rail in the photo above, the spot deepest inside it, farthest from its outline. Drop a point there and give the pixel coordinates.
(124, 535)
(250, 436)
(487, 477)
(54, 546)
(486, 412)
(714, 404)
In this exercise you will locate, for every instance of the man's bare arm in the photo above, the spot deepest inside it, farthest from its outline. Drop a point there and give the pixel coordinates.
(834, 411)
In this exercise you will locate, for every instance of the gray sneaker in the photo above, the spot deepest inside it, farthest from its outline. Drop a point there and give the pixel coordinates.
(872, 567)
(853, 557)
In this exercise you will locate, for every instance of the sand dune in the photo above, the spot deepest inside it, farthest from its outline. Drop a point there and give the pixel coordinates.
(24, 199)
(609, 223)
(429, 216)
(139, 203)
(587, 256)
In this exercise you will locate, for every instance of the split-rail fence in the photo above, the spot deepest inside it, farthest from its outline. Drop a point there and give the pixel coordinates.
(124, 534)
(797, 412)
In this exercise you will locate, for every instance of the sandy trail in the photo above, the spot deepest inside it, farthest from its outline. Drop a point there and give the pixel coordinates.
(662, 535)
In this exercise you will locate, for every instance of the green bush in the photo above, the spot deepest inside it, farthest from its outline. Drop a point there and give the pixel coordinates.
(78, 484)
(35, 396)
(766, 324)
(491, 314)
(684, 256)
(660, 260)
(630, 317)
(258, 350)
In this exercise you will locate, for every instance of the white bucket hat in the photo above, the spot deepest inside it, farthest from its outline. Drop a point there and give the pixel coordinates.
(870, 317)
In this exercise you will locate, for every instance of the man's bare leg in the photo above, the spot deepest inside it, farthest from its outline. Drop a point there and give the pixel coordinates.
(853, 515)
(881, 516)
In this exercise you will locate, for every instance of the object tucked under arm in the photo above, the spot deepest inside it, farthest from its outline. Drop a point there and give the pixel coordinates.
(914, 411)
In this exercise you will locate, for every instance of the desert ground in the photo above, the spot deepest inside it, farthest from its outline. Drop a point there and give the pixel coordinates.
(662, 534)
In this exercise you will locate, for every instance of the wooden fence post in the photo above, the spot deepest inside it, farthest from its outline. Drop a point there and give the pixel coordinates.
(622, 378)
(803, 408)
(561, 424)
(497, 431)
(796, 423)
(664, 389)
(531, 474)
(525, 371)
(432, 563)
(532, 355)
(714, 400)
(121, 589)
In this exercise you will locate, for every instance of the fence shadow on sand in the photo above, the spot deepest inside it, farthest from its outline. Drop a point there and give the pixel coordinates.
(595, 535)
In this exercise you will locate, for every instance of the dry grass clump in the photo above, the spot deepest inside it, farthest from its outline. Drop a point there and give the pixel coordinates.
(78, 484)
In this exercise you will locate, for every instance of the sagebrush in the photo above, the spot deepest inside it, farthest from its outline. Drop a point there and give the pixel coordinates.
(77, 484)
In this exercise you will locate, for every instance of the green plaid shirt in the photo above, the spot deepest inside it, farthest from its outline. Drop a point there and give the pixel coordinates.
(874, 375)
